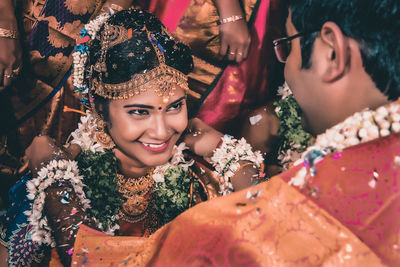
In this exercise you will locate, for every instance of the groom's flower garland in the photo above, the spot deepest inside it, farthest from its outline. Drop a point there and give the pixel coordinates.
(294, 140)
(359, 128)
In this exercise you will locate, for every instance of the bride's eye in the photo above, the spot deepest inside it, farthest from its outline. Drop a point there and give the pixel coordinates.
(176, 106)
(138, 112)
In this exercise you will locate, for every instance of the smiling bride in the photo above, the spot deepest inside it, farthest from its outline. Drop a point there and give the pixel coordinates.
(129, 173)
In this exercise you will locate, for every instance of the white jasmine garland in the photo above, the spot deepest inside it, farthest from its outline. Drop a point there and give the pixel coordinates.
(80, 56)
(361, 127)
(226, 159)
(84, 136)
(56, 170)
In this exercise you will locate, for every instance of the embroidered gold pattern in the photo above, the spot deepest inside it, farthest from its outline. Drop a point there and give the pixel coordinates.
(163, 79)
(136, 194)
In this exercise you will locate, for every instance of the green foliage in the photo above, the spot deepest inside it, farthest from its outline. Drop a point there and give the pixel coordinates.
(99, 170)
(172, 197)
(291, 131)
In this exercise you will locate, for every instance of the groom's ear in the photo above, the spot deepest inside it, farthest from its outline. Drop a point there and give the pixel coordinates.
(335, 52)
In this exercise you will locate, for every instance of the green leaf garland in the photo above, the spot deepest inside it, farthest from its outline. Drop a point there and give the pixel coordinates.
(99, 170)
(172, 196)
(293, 136)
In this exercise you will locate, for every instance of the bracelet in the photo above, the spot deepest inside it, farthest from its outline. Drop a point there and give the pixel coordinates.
(55, 171)
(4, 33)
(243, 166)
(230, 19)
(111, 8)
(226, 160)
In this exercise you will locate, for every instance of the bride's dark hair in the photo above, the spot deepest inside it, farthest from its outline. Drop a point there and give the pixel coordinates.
(136, 55)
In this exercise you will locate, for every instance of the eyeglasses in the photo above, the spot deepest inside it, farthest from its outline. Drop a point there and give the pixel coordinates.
(283, 45)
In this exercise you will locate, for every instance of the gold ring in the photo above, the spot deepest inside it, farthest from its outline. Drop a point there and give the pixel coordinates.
(16, 71)
(8, 76)
(232, 53)
(239, 53)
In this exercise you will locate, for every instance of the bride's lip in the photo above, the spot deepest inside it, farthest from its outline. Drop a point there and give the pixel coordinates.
(160, 147)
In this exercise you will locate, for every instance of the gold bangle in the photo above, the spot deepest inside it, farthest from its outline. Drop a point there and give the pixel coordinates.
(4, 33)
(107, 6)
(242, 166)
(230, 19)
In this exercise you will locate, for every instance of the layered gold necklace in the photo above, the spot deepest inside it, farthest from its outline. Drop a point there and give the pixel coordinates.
(136, 194)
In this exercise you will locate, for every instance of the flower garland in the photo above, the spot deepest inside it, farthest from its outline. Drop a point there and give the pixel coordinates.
(361, 127)
(96, 185)
(99, 169)
(81, 55)
(226, 159)
(55, 171)
(294, 140)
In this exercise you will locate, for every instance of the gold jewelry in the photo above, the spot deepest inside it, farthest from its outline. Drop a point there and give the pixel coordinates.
(136, 194)
(102, 137)
(162, 78)
(16, 71)
(8, 76)
(4, 33)
(239, 53)
(230, 19)
(114, 7)
(232, 53)
(243, 166)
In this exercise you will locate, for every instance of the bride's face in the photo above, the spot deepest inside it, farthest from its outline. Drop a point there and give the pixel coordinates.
(145, 128)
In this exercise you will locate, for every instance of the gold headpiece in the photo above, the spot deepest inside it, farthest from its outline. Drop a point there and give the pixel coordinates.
(163, 78)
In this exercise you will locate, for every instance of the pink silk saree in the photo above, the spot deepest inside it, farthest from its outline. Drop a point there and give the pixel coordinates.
(221, 92)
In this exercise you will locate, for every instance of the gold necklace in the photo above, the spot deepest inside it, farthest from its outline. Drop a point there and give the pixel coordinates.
(136, 194)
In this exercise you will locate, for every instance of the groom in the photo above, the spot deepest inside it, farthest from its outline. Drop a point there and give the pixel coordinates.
(343, 57)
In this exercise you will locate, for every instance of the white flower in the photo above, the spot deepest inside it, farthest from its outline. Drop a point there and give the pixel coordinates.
(361, 127)
(158, 177)
(396, 127)
(284, 91)
(300, 178)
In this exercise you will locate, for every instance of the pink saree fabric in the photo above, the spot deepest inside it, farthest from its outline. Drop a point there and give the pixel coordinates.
(246, 85)
(239, 87)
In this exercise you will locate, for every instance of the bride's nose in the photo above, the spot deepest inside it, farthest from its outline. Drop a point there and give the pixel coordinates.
(159, 128)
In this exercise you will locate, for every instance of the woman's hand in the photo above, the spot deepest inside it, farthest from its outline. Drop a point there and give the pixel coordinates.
(10, 49)
(41, 150)
(235, 36)
(235, 40)
(201, 138)
(10, 61)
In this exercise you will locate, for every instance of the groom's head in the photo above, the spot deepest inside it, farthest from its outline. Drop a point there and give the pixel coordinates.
(343, 56)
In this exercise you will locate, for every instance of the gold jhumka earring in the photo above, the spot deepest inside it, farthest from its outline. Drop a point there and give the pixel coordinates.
(102, 137)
